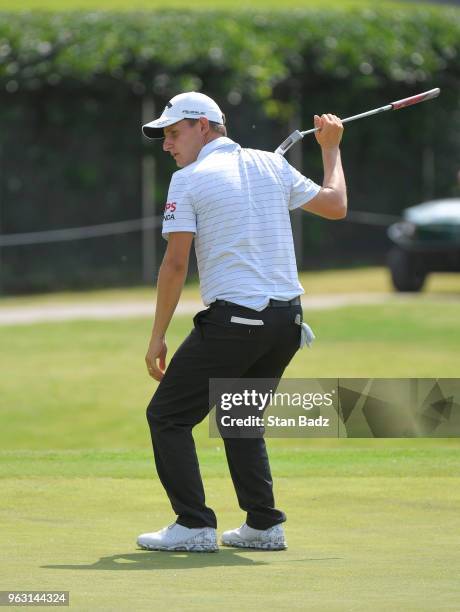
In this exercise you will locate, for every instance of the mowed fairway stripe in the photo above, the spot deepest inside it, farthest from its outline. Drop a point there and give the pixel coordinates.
(355, 543)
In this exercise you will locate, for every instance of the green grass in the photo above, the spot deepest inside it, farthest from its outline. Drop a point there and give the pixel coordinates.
(93, 372)
(120, 5)
(366, 530)
(326, 458)
(345, 281)
(372, 524)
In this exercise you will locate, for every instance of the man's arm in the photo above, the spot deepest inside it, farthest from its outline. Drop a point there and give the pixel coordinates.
(171, 279)
(331, 201)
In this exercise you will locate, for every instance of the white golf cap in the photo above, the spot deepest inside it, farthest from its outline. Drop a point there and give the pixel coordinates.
(189, 105)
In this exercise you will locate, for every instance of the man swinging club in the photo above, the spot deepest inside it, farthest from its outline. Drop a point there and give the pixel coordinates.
(235, 203)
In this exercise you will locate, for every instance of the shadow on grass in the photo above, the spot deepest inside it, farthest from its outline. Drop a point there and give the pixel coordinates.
(159, 560)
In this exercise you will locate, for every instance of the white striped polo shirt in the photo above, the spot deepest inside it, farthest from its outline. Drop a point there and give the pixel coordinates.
(237, 203)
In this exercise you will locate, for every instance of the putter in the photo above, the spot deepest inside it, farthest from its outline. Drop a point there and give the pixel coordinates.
(426, 95)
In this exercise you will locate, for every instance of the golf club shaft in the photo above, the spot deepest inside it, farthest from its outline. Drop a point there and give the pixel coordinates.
(375, 111)
(297, 135)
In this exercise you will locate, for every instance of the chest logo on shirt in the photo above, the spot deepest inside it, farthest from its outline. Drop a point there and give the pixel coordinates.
(170, 209)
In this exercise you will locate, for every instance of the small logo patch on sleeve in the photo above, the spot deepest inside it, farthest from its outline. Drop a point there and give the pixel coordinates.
(170, 209)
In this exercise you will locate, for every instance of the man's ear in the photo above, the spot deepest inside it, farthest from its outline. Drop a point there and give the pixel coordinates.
(204, 123)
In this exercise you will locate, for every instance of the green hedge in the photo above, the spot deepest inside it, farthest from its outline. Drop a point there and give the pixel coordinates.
(255, 53)
(71, 86)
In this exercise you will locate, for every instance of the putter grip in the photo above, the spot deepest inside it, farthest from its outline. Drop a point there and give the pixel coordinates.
(427, 95)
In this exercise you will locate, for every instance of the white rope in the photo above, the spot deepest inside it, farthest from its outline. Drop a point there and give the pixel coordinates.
(80, 233)
(134, 225)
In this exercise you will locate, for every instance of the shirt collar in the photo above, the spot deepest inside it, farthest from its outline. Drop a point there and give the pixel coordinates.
(217, 143)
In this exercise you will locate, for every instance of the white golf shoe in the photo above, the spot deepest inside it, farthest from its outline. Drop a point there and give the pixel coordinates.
(247, 537)
(178, 537)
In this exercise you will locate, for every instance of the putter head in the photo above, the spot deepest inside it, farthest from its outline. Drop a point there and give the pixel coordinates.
(290, 140)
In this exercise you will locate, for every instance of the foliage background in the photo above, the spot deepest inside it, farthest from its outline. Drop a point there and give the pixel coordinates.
(72, 86)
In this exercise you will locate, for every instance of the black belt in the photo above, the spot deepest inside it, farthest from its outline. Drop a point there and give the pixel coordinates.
(273, 303)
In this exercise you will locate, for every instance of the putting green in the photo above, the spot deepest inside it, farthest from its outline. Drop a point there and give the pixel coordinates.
(361, 534)
(372, 524)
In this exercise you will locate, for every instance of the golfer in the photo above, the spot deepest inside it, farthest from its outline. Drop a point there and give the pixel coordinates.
(234, 203)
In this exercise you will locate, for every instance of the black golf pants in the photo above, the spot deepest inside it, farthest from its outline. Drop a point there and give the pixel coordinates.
(219, 348)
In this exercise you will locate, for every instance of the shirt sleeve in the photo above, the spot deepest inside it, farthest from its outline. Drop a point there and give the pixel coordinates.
(302, 189)
(179, 213)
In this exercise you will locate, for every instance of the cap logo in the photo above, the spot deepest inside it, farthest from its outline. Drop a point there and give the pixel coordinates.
(193, 112)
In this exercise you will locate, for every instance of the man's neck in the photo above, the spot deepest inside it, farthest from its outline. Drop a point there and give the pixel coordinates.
(211, 137)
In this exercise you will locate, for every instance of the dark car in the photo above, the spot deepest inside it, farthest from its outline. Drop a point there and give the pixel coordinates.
(426, 240)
